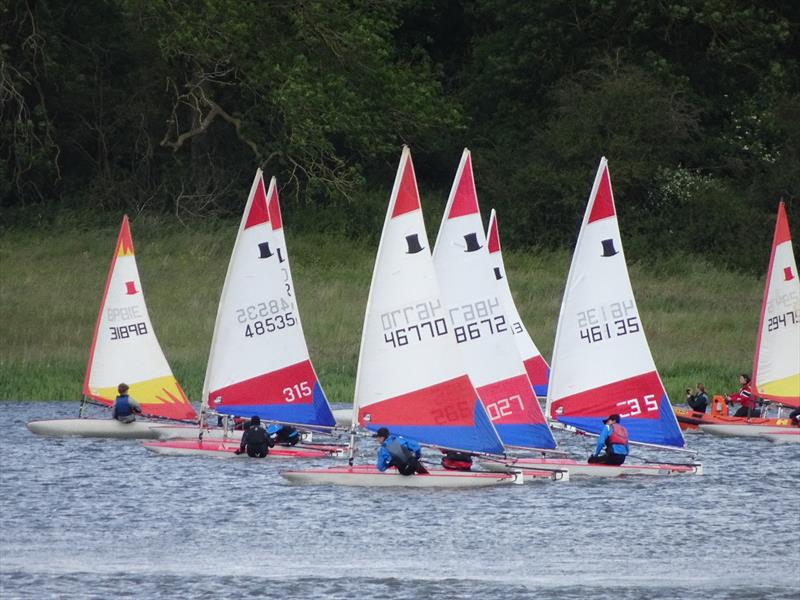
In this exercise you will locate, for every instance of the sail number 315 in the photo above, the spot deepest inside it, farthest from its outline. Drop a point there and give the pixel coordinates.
(297, 391)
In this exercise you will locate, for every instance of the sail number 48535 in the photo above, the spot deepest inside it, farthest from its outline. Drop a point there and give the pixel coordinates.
(636, 406)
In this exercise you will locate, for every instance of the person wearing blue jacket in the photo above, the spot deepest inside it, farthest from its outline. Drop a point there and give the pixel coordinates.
(125, 408)
(285, 435)
(614, 440)
(396, 451)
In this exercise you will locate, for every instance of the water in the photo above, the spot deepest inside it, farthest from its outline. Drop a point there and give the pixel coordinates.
(83, 518)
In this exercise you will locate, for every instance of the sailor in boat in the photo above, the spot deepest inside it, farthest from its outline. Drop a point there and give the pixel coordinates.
(456, 461)
(396, 451)
(125, 408)
(285, 435)
(255, 440)
(745, 398)
(697, 400)
(614, 440)
(794, 417)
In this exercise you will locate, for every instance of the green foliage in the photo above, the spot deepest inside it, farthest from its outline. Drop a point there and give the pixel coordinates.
(170, 105)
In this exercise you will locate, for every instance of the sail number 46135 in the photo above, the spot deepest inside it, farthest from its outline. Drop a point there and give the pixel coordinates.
(636, 406)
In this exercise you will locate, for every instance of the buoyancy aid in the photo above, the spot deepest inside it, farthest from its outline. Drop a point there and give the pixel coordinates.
(402, 456)
(619, 435)
(257, 437)
(719, 408)
(122, 406)
(457, 461)
(284, 434)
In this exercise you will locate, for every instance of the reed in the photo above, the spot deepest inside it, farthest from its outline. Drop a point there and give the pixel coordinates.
(700, 320)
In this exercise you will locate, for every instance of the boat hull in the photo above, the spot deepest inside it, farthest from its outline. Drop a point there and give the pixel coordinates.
(745, 429)
(192, 432)
(225, 449)
(99, 428)
(369, 476)
(582, 469)
(783, 437)
(690, 420)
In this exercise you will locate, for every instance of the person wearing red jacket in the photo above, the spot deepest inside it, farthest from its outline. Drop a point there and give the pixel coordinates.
(745, 398)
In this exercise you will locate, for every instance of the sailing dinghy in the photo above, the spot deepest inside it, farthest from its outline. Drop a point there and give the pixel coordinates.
(259, 362)
(601, 361)
(536, 366)
(410, 376)
(480, 322)
(124, 349)
(776, 366)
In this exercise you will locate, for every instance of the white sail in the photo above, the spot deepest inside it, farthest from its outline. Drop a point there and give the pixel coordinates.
(410, 375)
(479, 321)
(602, 362)
(776, 372)
(258, 363)
(536, 366)
(125, 347)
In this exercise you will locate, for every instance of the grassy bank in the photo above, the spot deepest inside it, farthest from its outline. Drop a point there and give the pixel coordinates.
(700, 320)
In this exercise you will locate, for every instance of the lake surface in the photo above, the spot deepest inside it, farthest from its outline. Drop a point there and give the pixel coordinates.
(84, 518)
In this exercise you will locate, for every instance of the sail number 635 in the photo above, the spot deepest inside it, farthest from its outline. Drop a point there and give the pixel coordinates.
(634, 405)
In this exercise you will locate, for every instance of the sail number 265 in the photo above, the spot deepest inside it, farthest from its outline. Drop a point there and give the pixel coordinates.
(634, 405)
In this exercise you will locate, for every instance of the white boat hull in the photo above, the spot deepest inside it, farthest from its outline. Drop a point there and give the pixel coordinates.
(100, 428)
(227, 449)
(783, 437)
(742, 430)
(369, 476)
(580, 469)
(189, 432)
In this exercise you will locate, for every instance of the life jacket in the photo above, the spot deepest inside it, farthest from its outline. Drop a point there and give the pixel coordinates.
(257, 437)
(746, 397)
(619, 435)
(457, 461)
(402, 458)
(122, 406)
(284, 434)
(719, 408)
